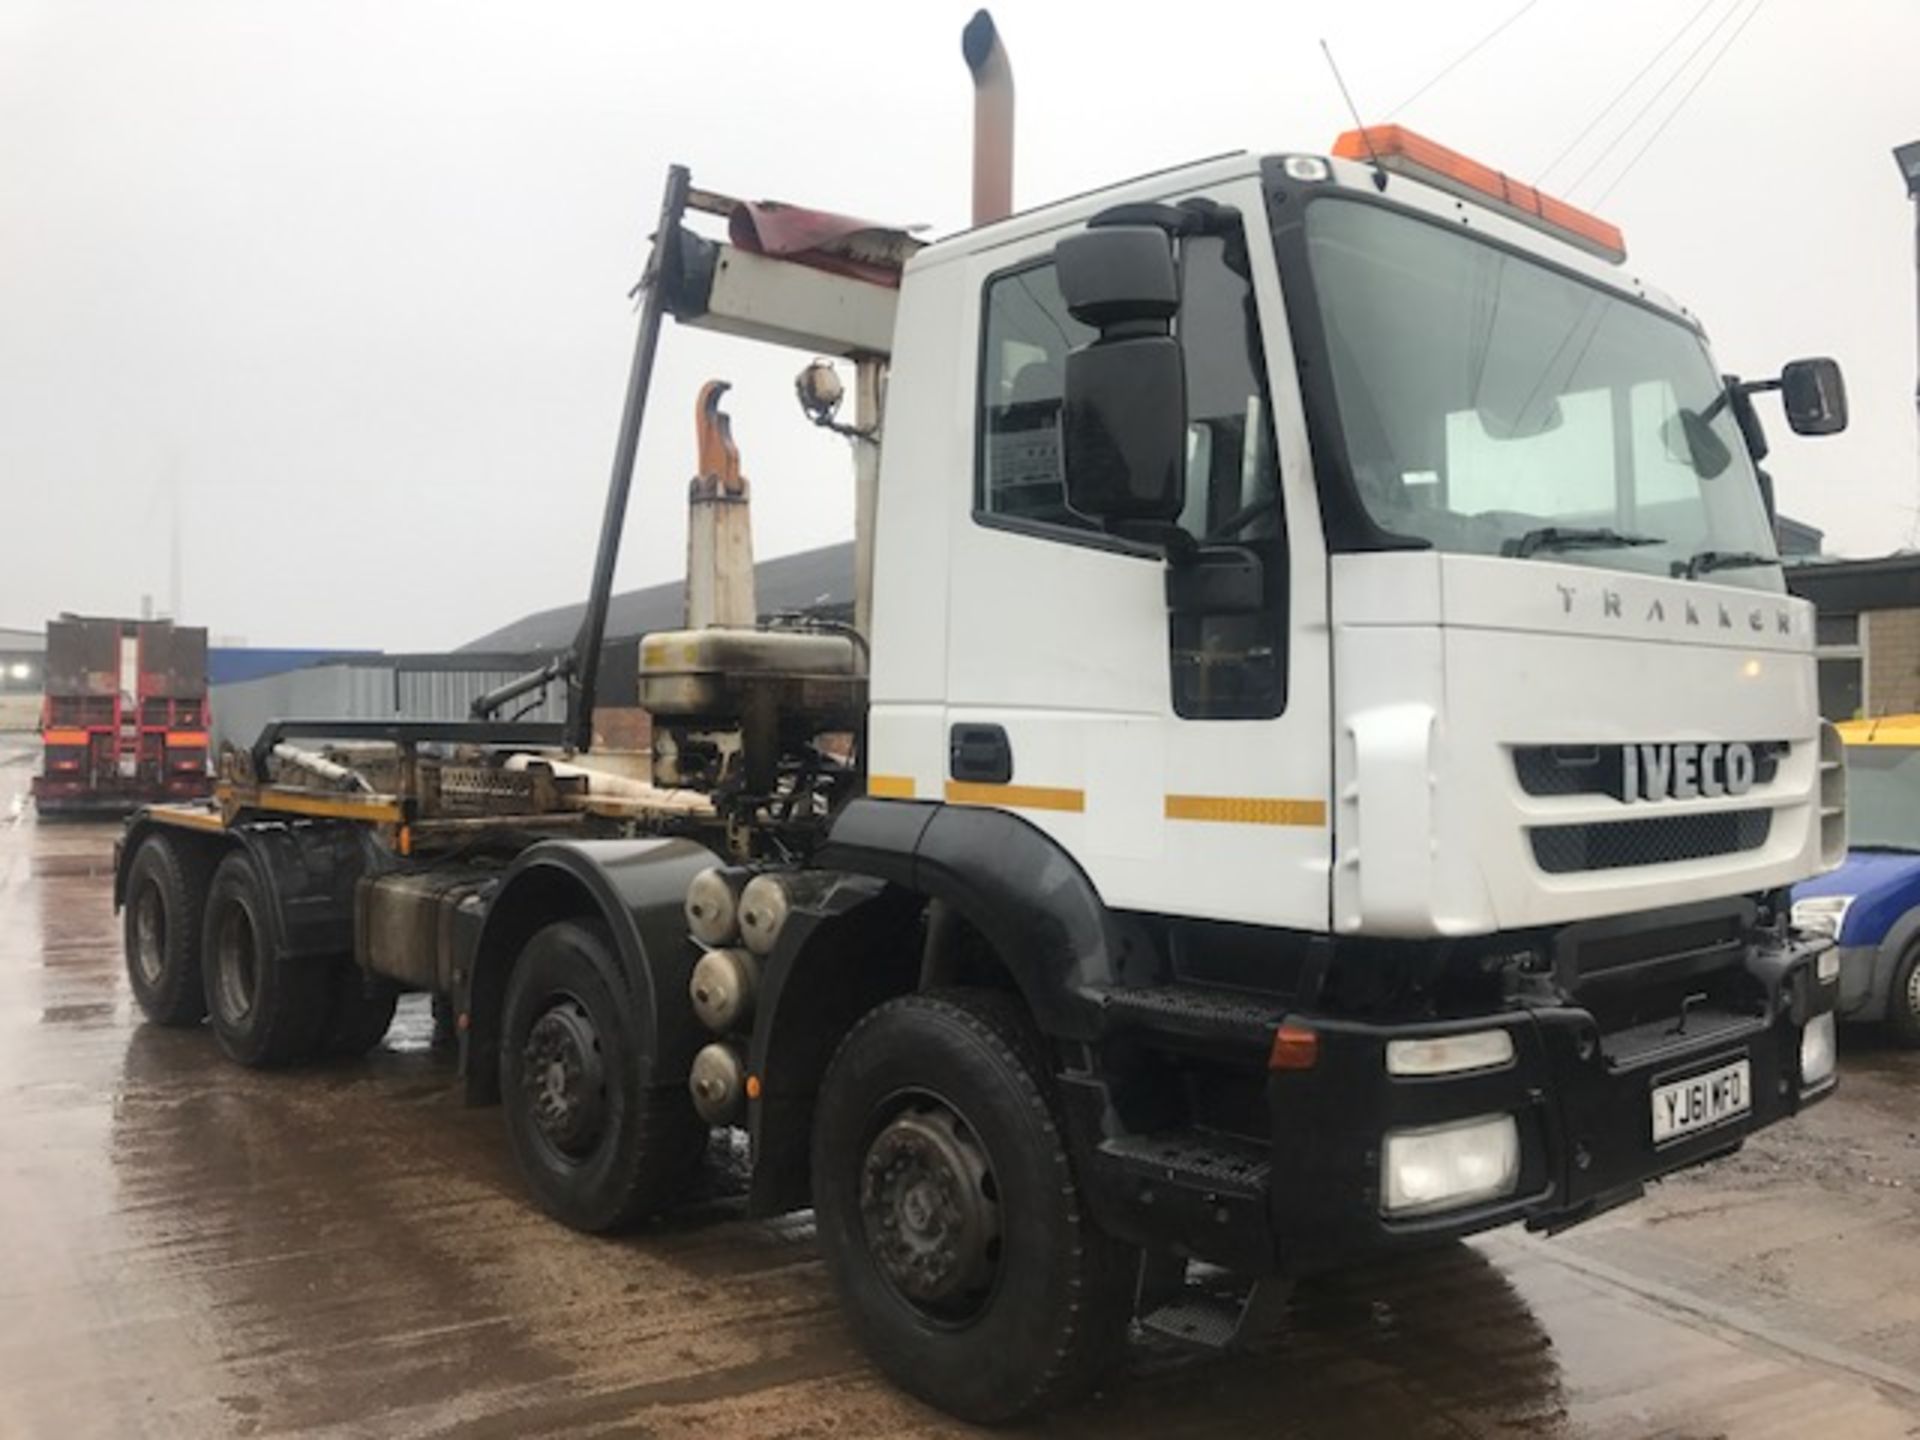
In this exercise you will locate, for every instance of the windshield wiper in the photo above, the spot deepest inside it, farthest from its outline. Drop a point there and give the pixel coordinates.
(1884, 845)
(1708, 561)
(1565, 537)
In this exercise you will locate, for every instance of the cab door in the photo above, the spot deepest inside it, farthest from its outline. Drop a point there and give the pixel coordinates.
(1182, 759)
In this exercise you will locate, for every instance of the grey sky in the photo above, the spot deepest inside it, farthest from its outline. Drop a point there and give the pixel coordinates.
(351, 276)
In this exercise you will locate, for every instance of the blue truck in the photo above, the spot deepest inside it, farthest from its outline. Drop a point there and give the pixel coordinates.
(1870, 906)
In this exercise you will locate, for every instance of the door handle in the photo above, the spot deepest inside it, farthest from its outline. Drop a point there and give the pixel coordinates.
(979, 753)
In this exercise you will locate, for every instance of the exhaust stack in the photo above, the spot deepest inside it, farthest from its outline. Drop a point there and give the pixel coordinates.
(992, 119)
(719, 533)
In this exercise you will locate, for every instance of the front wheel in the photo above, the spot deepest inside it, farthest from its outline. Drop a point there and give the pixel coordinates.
(948, 1212)
(600, 1141)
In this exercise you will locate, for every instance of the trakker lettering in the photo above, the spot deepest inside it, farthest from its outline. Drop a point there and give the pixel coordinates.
(1685, 771)
(1612, 604)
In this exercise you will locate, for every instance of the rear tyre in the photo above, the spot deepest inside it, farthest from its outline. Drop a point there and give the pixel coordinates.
(166, 892)
(266, 1009)
(1903, 1000)
(949, 1216)
(360, 1012)
(599, 1145)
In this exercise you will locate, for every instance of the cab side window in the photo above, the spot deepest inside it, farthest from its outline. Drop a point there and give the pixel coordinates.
(1231, 479)
(1223, 666)
(1229, 667)
(1028, 335)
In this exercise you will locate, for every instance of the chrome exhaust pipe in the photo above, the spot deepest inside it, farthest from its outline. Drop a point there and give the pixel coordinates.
(992, 119)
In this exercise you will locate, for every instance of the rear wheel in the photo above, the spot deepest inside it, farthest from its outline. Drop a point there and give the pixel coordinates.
(1903, 999)
(266, 1008)
(949, 1215)
(166, 890)
(598, 1144)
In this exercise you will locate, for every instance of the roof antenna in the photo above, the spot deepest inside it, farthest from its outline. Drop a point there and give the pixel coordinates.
(1379, 170)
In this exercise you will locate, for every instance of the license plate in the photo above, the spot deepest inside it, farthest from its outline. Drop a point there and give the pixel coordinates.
(1702, 1101)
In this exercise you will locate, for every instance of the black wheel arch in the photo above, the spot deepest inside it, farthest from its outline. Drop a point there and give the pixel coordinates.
(1010, 881)
(913, 870)
(838, 957)
(637, 888)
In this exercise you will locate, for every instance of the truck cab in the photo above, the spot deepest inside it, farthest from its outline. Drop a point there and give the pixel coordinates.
(1411, 723)
(1361, 588)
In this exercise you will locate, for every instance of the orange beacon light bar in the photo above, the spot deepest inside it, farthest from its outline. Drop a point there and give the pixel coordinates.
(1401, 152)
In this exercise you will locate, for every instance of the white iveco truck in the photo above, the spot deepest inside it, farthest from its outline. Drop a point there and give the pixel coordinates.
(1316, 771)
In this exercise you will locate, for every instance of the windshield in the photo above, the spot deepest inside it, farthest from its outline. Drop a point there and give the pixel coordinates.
(1883, 797)
(1493, 406)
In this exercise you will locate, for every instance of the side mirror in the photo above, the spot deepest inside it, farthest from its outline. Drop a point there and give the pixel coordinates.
(1124, 416)
(1815, 397)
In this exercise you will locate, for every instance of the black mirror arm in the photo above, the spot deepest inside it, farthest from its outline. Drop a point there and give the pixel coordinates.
(1735, 387)
(1182, 549)
(1198, 216)
(1738, 394)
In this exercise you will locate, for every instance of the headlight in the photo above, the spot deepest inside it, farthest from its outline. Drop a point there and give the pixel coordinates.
(1817, 1050)
(1450, 1054)
(1821, 914)
(1444, 1166)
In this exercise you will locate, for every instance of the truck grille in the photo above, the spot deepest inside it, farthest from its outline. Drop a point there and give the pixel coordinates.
(1595, 769)
(1657, 840)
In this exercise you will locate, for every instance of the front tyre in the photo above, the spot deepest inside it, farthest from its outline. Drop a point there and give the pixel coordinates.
(598, 1144)
(949, 1216)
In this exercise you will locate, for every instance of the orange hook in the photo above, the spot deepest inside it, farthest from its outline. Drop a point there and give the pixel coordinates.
(719, 473)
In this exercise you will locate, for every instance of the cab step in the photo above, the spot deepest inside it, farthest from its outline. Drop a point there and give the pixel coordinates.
(1209, 1193)
(1209, 1309)
(1191, 1161)
(1194, 1014)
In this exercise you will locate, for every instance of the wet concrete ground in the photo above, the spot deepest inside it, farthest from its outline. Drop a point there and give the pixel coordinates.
(190, 1249)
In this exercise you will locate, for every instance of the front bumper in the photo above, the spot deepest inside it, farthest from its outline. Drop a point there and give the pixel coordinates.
(1582, 1102)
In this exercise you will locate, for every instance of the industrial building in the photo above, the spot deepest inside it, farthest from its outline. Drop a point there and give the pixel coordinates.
(251, 687)
(23, 655)
(811, 582)
(1867, 632)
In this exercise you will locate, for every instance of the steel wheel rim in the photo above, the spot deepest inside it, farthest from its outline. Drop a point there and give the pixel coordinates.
(563, 1079)
(930, 1207)
(1913, 992)
(150, 934)
(238, 970)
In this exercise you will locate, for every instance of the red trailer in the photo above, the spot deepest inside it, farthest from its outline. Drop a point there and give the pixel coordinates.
(125, 718)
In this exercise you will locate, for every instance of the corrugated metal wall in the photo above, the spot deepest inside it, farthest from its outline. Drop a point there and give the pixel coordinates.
(365, 690)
